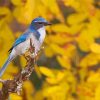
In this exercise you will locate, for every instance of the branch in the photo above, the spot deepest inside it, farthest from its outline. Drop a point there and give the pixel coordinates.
(15, 85)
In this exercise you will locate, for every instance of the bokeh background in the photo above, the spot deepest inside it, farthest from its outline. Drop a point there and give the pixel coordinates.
(69, 66)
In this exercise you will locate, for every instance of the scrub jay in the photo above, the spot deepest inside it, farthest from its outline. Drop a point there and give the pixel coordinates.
(36, 32)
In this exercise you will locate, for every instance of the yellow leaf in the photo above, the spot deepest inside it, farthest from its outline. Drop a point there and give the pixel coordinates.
(81, 5)
(9, 74)
(56, 92)
(37, 70)
(94, 78)
(5, 15)
(54, 9)
(60, 76)
(84, 40)
(95, 30)
(75, 29)
(59, 39)
(28, 89)
(83, 73)
(6, 42)
(57, 49)
(89, 60)
(42, 9)
(60, 28)
(48, 52)
(4, 11)
(73, 3)
(76, 18)
(70, 50)
(28, 86)
(13, 96)
(64, 61)
(28, 10)
(72, 30)
(95, 48)
(52, 80)
(57, 79)
(17, 2)
(47, 72)
(97, 93)
(39, 95)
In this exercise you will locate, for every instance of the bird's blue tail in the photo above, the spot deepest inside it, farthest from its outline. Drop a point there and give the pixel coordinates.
(4, 67)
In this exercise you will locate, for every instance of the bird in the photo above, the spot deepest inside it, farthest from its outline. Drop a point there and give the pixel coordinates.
(36, 32)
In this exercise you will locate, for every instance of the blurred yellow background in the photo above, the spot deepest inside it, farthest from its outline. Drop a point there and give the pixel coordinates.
(69, 66)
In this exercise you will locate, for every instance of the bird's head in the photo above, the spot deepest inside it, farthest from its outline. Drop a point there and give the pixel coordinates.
(39, 22)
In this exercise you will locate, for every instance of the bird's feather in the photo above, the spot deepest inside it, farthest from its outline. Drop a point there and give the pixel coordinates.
(37, 35)
(4, 67)
(10, 58)
(21, 39)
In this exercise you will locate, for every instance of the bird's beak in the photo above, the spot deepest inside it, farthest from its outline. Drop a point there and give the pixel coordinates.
(47, 23)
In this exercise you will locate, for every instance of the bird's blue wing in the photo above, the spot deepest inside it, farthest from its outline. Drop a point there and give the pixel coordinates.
(21, 39)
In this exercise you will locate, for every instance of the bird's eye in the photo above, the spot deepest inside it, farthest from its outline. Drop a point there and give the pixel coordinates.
(40, 22)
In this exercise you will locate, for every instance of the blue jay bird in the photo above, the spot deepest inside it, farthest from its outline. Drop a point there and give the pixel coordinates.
(36, 32)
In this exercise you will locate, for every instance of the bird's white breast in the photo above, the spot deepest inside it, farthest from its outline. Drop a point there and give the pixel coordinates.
(24, 46)
(42, 34)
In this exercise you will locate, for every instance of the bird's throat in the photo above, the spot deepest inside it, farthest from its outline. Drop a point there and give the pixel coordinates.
(42, 33)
